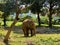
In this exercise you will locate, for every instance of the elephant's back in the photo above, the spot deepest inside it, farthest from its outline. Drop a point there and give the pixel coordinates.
(28, 23)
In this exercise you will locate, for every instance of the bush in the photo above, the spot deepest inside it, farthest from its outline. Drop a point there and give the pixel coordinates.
(56, 20)
(44, 19)
(23, 18)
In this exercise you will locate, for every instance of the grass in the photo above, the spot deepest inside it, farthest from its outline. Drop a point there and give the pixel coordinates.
(39, 39)
(56, 25)
(20, 23)
(10, 22)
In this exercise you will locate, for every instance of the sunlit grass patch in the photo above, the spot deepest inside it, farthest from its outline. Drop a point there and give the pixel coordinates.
(39, 39)
(20, 23)
(56, 25)
(10, 22)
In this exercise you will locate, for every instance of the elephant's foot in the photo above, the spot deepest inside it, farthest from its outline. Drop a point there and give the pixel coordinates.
(33, 35)
(26, 35)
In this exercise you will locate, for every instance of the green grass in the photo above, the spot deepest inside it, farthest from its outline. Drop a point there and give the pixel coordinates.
(20, 23)
(39, 39)
(10, 22)
(56, 25)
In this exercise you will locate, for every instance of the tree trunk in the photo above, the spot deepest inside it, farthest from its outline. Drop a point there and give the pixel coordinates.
(50, 21)
(9, 31)
(38, 19)
(12, 25)
(11, 28)
(50, 16)
(4, 21)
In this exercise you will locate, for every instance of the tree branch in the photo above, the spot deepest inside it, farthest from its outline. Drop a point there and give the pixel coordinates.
(14, 22)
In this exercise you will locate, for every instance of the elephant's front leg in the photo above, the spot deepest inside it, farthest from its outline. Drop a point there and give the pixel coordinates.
(33, 32)
(26, 32)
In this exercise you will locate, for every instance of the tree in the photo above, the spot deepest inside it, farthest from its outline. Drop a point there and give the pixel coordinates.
(52, 4)
(7, 8)
(18, 10)
(36, 8)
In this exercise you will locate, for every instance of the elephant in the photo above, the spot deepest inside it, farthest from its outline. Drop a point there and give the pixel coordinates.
(28, 25)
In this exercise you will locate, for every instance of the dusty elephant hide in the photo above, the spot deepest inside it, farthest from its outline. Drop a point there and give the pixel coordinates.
(27, 25)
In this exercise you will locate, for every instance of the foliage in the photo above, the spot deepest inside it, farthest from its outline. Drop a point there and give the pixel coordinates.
(44, 19)
(1, 13)
(7, 9)
(27, 1)
(36, 7)
(22, 19)
(52, 9)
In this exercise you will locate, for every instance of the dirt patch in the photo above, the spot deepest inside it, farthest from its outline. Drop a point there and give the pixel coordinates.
(41, 30)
